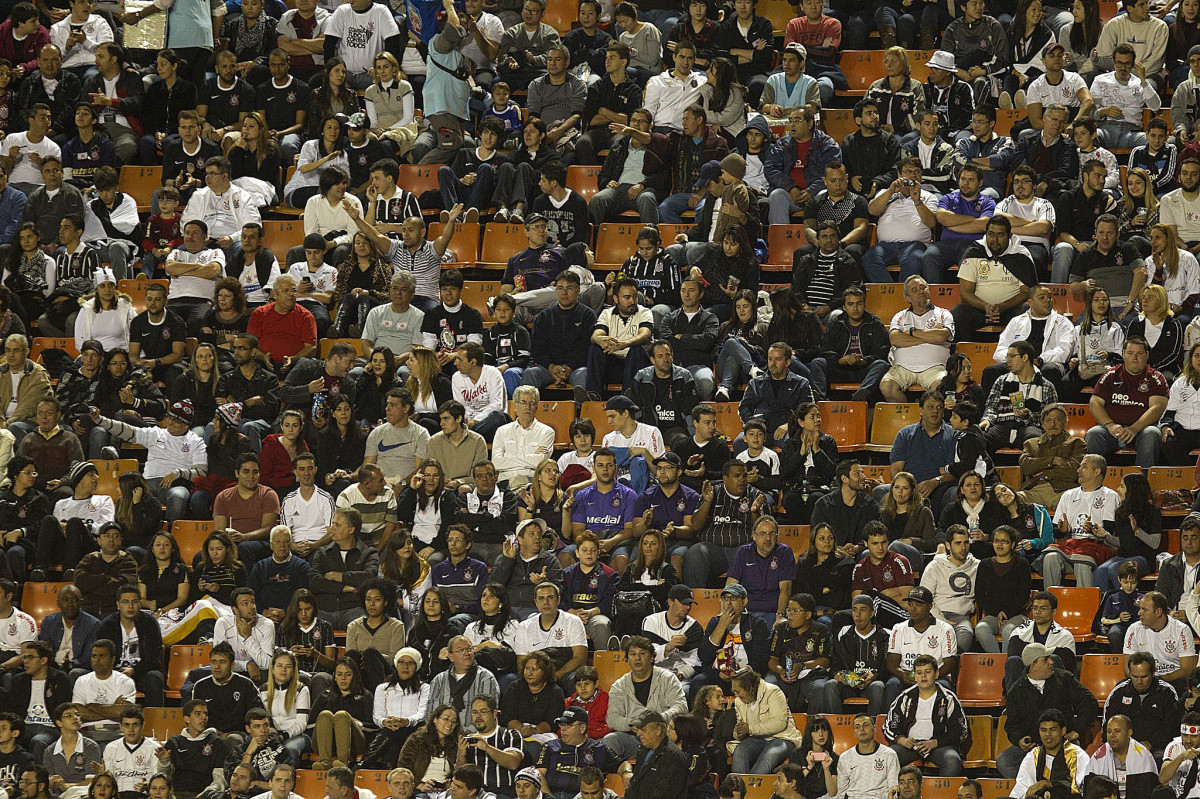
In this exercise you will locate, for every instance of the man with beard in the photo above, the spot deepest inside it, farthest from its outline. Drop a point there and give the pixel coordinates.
(854, 349)
(994, 278)
(252, 387)
(870, 153)
(1080, 212)
(963, 215)
(1180, 209)
(1032, 217)
(667, 393)
(1048, 466)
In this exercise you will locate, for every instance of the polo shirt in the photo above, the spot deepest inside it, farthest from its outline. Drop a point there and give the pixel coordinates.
(533, 268)
(761, 576)
(841, 212)
(623, 328)
(245, 515)
(894, 571)
(425, 264)
(604, 513)
(924, 455)
(1126, 397)
(978, 206)
(1112, 271)
(281, 335)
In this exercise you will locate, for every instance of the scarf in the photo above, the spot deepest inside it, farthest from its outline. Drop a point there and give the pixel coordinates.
(32, 272)
(1063, 769)
(458, 690)
(249, 38)
(972, 513)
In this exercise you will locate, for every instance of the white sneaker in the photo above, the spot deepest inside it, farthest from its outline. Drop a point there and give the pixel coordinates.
(1019, 99)
(755, 372)
(1006, 100)
(721, 395)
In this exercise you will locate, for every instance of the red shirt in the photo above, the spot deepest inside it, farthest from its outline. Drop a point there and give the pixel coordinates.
(245, 515)
(797, 173)
(597, 710)
(813, 37)
(893, 572)
(1126, 397)
(281, 335)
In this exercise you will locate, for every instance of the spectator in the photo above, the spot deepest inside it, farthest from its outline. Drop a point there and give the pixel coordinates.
(137, 634)
(133, 760)
(643, 40)
(339, 714)
(1055, 159)
(1148, 707)
(117, 94)
(995, 276)
(493, 749)
(196, 756)
(1045, 688)
(791, 90)
(479, 387)
(906, 230)
(1123, 753)
(23, 170)
(1163, 637)
(910, 639)
(821, 36)
(629, 699)
(1176, 763)
(341, 567)
(101, 574)
(1054, 747)
(64, 100)
(943, 736)
(357, 33)
(552, 626)
(868, 768)
(733, 640)
(1129, 416)
(482, 683)
(952, 577)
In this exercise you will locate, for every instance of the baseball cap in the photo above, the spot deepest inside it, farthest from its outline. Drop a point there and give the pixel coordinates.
(1033, 652)
(920, 593)
(669, 458)
(572, 715)
(708, 173)
(737, 589)
(681, 593)
(648, 717)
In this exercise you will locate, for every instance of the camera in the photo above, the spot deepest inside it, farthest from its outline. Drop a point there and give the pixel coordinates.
(908, 182)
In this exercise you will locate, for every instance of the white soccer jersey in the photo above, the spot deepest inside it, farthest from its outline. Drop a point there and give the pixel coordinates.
(1173, 642)
(938, 640)
(567, 630)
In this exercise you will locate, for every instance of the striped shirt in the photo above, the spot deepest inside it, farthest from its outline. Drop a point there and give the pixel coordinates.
(729, 522)
(820, 287)
(495, 775)
(375, 513)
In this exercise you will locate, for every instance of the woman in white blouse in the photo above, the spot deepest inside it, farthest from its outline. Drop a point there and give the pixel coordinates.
(401, 704)
(288, 702)
(494, 635)
(1175, 269)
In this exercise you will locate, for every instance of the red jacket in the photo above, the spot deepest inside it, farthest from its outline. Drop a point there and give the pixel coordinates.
(597, 709)
(32, 45)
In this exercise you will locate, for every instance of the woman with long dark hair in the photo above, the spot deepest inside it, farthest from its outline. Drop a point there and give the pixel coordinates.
(339, 444)
(127, 394)
(795, 325)
(198, 384)
(494, 635)
(377, 379)
(325, 151)
(807, 463)
(163, 578)
(224, 321)
(1137, 212)
(730, 268)
(1028, 34)
(363, 281)
(335, 722)
(1002, 590)
(279, 451)
(1033, 523)
(432, 631)
(542, 498)
(432, 508)
(1185, 34)
(741, 345)
(400, 563)
(378, 629)
(516, 178)
(724, 99)
(400, 707)
(697, 27)
(824, 574)
(335, 96)
(711, 706)
(690, 733)
(163, 101)
(1138, 529)
(1079, 39)
(431, 752)
(973, 508)
(22, 507)
(959, 383)
(816, 759)
(307, 637)
(1101, 341)
(651, 569)
(104, 314)
(139, 513)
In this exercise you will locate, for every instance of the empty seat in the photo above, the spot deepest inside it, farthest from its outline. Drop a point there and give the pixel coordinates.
(1100, 673)
(846, 422)
(981, 680)
(889, 419)
(1077, 607)
(183, 659)
(610, 666)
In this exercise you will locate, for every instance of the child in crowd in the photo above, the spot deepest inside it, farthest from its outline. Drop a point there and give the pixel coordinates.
(506, 345)
(762, 464)
(576, 465)
(592, 698)
(162, 231)
(1119, 608)
(508, 112)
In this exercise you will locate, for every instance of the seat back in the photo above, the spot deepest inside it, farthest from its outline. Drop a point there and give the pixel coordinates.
(190, 536)
(861, 68)
(996, 788)
(1100, 673)
(610, 666)
(889, 418)
(846, 422)
(885, 300)
(838, 123)
(978, 353)
(163, 722)
(136, 288)
(42, 343)
(584, 180)
(501, 241)
(183, 659)
(707, 604)
(782, 242)
(1079, 418)
(140, 183)
(418, 178)
(758, 786)
(475, 294)
(843, 730)
(795, 536)
(464, 242)
(616, 241)
(1077, 607)
(729, 423)
(110, 472)
(327, 344)
(981, 680)
(281, 235)
(39, 600)
(373, 779)
(594, 410)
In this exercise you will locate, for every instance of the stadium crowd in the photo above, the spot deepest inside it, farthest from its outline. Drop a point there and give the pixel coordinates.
(307, 510)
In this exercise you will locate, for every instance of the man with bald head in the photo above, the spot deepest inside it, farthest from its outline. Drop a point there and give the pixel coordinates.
(57, 88)
(70, 631)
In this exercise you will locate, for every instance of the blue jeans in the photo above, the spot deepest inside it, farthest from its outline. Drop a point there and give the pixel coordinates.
(669, 210)
(836, 694)
(782, 206)
(1111, 135)
(906, 253)
(488, 425)
(705, 381)
(703, 560)
(603, 367)
(1106, 572)
(20, 430)
(254, 430)
(512, 378)
(939, 256)
(820, 372)
(175, 499)
(756, 755)
(734, 361)
(1148, 444)
(806, 694)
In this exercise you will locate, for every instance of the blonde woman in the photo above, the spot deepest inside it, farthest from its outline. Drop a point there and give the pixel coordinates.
(429, 386)
(901, 99)
(390, 104)
(1181, 422)
(1162, 331)
(288, 703)
(1137, 212)
(543, 499)
(1176, 269)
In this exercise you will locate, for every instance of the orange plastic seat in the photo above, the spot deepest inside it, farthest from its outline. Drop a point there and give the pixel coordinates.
(110, 472)
(729, 423)
(980, 753)
(978, 353)
(782, 242)
(558, 415)
(327, 344)
(279, 236)
(584, 180)
(501, 241)
(1100, 673)
(476, 293)
(610, 665)
(163, 722)
(43, 343)
(796, 536)
(707, 604)
(1077, 607)
(190, 536)
(842, 725)
(861, 68)
(889, 419)
(464, 243)
(136, 289)
(183, 659)
(838, 123)
(996, 788)
(940, 787)
(39, 600)
(981, 680)
(758, 786)
(594, 410)
(418, 178)
(373, 779)
(616, 241)
(885, 300)
(310, 782)
(846, 422)
(1079, 419)
(140, 183)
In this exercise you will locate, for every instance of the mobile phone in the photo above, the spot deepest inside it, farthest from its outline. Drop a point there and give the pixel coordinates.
(818, 756)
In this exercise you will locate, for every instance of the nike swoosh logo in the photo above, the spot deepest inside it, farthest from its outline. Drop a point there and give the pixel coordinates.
(386, 448)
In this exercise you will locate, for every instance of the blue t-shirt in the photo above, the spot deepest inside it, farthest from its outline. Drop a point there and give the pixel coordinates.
(924, 456)
(762, 576)
(604, 514)
(673, 509)
(982, 205)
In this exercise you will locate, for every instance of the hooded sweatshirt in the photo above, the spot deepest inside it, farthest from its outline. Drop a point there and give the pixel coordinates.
(953, 586)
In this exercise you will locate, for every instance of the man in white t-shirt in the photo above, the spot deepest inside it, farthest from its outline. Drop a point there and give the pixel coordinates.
(619, 340)
(1165, 637)
(194, 270)
(102, 693)
(307, 511)
(23, 152)
(1032, 217)
(560, 635)
(133, 759)
(1086, 515)
(480, 388)
(16, 627)
(358, 31)
(922, 634)
(484, 30)
(637, 445)
(1180, 209)
(920, 336)
(906, 223)
(1056, 86)
(1181, 759)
